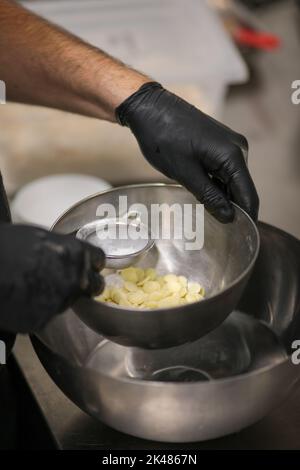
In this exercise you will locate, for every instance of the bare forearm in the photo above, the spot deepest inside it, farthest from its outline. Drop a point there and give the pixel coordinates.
(44, 65)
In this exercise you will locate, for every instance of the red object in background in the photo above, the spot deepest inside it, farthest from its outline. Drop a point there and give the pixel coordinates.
(256, 39)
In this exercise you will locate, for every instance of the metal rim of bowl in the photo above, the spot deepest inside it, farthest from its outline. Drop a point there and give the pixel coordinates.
(144, 250)
(155, 185)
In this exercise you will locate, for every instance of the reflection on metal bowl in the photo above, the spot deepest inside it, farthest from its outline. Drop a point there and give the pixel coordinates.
(245, 368)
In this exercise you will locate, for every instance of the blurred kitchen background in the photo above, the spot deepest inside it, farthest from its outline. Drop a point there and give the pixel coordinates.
(235, 60)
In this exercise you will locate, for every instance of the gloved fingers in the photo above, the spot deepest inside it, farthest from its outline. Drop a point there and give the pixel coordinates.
(95, 284)
(244, 193)
(238, 139)
(242, 143)
(235, 174)
(97, 256)
(44, 274)
(207, 192)
(91, 282)
(222, 186)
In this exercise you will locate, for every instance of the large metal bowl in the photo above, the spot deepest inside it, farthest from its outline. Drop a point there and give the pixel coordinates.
(222, 266)
(246, 362)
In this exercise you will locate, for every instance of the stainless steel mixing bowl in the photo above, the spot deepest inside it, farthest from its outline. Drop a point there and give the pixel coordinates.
(246, 363)
(222, 266)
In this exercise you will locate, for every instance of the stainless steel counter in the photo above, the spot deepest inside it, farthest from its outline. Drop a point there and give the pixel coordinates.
(73, 429)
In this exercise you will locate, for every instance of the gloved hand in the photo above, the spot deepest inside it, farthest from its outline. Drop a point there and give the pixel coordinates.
(192, 148)
(41, 274)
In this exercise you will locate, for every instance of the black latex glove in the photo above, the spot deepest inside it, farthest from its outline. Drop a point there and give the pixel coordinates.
(41, 274)
(192, 148)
